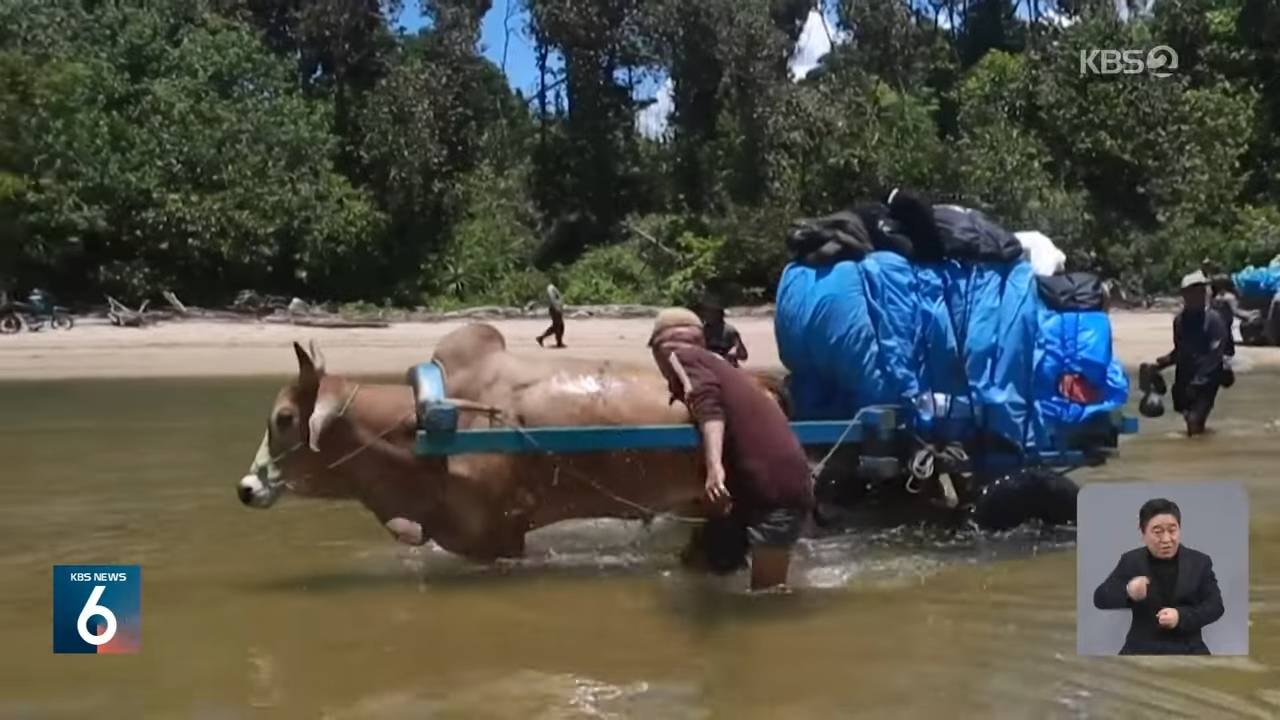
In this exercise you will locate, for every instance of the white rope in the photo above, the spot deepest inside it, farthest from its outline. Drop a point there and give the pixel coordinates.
(822, 464)
(923, 465)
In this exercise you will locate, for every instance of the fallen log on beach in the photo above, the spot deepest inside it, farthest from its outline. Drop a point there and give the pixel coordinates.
(327, 322)
(122, 315)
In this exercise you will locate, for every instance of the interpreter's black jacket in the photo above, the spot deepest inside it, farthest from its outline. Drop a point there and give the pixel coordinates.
(1196, 598)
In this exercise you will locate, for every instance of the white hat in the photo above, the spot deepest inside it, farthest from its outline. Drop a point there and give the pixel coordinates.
(1193, 279)
(672, 318)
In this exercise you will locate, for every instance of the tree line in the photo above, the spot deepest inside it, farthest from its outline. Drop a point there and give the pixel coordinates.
(308, 147)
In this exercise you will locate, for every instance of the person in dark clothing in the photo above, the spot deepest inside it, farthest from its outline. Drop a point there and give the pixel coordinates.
(757, 471)
(555, 305)
(1169, 588)
(1225, 301)
(1200, 343)
(722, 338)
(1209, 267)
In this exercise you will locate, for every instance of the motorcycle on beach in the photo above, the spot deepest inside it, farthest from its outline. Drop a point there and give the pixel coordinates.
(34, 315)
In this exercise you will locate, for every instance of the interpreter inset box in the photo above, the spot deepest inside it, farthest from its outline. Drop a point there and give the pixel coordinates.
(1162, 569)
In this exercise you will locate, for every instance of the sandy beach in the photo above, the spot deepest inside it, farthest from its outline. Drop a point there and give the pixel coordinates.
(94, 349)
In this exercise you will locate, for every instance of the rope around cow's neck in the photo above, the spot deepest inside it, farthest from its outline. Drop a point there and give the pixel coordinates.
(376, 438)
(351, 396)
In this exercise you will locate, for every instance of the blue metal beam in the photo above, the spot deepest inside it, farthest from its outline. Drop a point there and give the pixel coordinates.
(872, 422)
(869, 423)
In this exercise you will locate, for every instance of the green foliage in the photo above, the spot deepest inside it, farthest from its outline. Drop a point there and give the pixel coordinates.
(304, 147)
(887, 42)
(753, 253)
(702, 261)
(488, 258)
(612, 274)
(174, 151)
(1253, 240)
(1002, 166)
(862, 139)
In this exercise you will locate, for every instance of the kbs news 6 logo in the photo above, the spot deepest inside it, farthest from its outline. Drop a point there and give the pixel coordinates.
(97, 609)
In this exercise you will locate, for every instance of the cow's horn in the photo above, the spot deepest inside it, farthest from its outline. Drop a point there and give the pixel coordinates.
(307, 375)
(317, 357)
(321, 418)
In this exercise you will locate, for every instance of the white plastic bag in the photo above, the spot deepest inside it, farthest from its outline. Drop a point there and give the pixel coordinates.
(1039, 250)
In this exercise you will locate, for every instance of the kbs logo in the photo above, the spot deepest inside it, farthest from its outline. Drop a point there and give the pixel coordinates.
(97, 609)
(1157, 62)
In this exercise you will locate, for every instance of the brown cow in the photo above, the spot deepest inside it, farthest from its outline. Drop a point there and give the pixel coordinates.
(329, 437)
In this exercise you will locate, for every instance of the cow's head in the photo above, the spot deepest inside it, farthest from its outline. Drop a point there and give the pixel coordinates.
(289, 455)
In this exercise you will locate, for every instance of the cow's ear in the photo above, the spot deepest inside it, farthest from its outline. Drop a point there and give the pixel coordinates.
(325, 412)
(308, 376)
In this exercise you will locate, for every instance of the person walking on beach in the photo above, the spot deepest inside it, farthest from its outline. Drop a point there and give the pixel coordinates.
(555, 305)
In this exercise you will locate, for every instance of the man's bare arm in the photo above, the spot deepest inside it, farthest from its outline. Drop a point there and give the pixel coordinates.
(713, 442)
(680, 372)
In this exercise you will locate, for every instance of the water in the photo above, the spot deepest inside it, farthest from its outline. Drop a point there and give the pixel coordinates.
(308, 610)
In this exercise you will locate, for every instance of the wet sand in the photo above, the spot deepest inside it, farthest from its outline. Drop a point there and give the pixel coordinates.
(229, 349)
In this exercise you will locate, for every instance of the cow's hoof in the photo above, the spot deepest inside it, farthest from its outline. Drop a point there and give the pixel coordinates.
(406, 531)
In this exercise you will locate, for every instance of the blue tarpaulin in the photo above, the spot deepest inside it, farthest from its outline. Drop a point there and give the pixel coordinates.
(1258, 282)
(967, 346)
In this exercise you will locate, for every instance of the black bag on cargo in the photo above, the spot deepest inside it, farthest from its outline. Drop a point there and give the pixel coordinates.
(887, 234)
(1071, 292)
(968, 234)
(914, 218)
(829, 239)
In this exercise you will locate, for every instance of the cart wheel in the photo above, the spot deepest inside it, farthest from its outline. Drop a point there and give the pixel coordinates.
(9, 324)
(1031, 494)
(61, 322)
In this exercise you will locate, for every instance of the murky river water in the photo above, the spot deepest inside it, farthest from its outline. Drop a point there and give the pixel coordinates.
(309, 610)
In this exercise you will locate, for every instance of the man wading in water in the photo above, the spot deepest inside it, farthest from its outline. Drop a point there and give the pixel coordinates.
(756, 467)
(555, 305)
(1200, 344)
